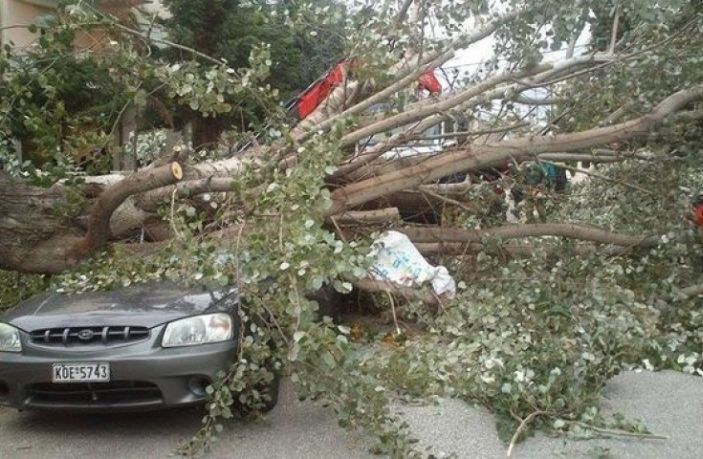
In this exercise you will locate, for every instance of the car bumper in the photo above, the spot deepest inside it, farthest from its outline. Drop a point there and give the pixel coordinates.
(143, 376)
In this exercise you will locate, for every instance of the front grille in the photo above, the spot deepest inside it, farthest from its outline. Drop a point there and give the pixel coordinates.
(113, 393)
(76, 336)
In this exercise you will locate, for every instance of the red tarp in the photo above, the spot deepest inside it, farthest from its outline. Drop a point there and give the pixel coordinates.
(311, 98)
(429, 82)
(318, 92)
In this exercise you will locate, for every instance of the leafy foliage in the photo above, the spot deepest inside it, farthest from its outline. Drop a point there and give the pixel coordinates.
(298, 49)
(540, 335)
(64, 106)
(15, 287)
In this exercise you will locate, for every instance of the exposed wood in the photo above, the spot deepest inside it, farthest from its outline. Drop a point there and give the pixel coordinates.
(99, 225)
(366, 190)
(368, 217)
(410, 71)
(151, 200)
(38, 238)
(581, 232)
(477, 157)
(614, 31)
(689, 292)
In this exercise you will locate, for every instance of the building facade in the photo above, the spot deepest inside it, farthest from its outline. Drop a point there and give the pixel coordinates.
(16, 15)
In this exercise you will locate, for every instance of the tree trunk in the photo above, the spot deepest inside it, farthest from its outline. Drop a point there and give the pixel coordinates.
(32, 226)
(39, 234)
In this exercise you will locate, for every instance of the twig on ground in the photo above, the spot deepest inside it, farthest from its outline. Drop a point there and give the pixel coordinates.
(521, 428)
(395, 317)
(618, 432)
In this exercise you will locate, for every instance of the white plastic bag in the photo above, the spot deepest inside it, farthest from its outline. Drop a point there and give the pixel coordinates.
(397, 260)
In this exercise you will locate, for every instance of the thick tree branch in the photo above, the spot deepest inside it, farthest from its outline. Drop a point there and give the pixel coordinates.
(368, 217)
(604, 135)
(571, 231)
(42, 240)
(523, 99)
(408, 72)
(689, 292)
(428, 110)
(428, 114)
(139, 182)
(493, 155)
(614, 31)
(151, 200)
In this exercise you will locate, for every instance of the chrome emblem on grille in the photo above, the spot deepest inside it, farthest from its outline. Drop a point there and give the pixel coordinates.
(85, 335)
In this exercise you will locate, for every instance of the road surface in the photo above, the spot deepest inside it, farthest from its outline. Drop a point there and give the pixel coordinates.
(670, 404)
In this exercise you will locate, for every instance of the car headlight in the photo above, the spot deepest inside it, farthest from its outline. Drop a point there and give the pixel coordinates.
(208, 328)
(9, 339)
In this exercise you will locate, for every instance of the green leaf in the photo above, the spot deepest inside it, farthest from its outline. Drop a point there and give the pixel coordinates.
(297, 336)
(329, 360)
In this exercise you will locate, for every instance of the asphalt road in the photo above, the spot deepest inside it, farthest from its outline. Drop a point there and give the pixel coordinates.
(670, 404)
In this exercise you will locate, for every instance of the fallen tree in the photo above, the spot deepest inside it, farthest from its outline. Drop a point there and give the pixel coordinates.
(293, 209)
(344, 198)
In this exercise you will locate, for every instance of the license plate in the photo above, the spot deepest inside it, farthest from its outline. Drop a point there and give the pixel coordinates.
(80, 372)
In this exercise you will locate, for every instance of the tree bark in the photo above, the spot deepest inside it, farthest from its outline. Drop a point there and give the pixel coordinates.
(581, 232)
(368, 217)
(37, 237)
(29, 217)
(690, 292)
(481, 157)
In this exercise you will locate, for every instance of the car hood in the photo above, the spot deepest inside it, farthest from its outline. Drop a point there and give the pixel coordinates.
(145, 305)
